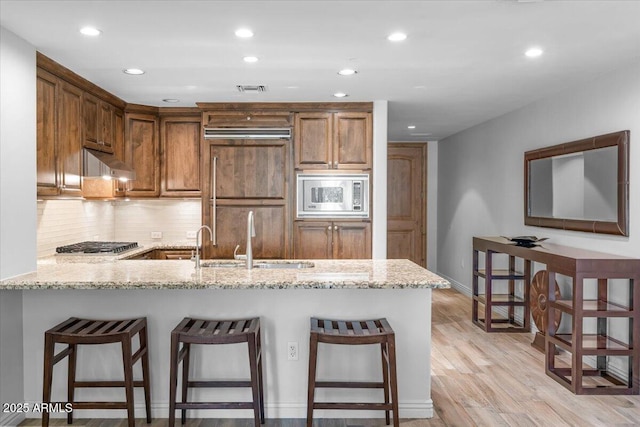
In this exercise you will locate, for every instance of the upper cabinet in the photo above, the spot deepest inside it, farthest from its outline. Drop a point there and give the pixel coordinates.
(141, 153)
(342, 140)
(59, 138)
(180, 156)
(99, 124)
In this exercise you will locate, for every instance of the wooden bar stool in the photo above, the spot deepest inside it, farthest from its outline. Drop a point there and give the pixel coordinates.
(74, 332)
(198, 331)
(355, 332)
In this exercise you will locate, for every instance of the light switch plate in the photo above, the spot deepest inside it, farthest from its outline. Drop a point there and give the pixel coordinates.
(191, 234)
(156, 234)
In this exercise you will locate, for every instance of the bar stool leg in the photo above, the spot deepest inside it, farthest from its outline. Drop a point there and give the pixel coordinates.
(173, 380)
(385, 379)
(253, 368)
(313, 354)
(71, 379)
(49, 347)
(128, 378)
(260, 379)
(185, 378)
(142, 335)
(391, 347)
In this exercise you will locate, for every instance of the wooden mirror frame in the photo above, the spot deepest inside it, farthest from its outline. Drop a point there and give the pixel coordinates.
(619, 227)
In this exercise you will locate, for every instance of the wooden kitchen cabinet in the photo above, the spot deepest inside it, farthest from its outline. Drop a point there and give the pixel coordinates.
(180, 156)
(245, 175)
(59, 144)
(99, 124)
(332, 240)
(142, 154)
(47, 134)
(342, 140)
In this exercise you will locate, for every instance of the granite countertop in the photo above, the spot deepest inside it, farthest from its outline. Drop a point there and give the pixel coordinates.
(116, 272)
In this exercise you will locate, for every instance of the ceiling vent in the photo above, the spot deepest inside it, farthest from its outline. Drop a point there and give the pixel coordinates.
(251, 88)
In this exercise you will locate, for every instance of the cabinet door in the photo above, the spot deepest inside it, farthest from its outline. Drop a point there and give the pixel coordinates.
(352, 141)
(180, 148)
(70, 139)
(253, 170)
(351, 240)
(106, 129)
(312, 240)
(141, 153)
(313, 141)
(90, 111)
(47, 167)
(271, 241)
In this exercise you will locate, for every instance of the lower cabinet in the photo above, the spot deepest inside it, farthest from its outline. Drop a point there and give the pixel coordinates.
(332, 240)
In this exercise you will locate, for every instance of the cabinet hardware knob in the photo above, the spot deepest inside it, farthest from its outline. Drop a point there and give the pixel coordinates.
(335, 227)
(329, 228)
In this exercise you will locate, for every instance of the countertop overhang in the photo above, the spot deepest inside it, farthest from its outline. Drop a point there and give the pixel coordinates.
(58, 273)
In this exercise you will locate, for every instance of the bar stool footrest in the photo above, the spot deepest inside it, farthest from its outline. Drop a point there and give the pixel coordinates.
(105, 384)
(349, 384)
(220, 383)
(99, 405)
(215, 405)
(351, 405)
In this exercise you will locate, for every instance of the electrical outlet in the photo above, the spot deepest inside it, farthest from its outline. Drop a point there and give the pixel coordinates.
(191, 234)
(292, 350)
(156, 234)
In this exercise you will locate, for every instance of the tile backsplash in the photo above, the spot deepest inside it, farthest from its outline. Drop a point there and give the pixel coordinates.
(63, 222)
(135, 220)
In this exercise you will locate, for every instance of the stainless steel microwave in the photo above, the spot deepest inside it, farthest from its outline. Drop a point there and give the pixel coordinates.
(332, 195)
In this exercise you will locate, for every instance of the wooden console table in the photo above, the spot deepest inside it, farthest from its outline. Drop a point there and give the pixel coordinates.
(578, 264)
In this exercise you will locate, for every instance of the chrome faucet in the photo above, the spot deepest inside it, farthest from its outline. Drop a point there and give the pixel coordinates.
(197, 257)
(251, 232)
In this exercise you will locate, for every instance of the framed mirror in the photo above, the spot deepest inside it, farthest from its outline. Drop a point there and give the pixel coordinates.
(581, 185)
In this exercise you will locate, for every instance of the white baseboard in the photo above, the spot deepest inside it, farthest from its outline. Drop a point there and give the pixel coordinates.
(11, 419)
(422, 409)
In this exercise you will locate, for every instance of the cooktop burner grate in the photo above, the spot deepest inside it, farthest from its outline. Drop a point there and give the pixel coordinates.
(97, 247)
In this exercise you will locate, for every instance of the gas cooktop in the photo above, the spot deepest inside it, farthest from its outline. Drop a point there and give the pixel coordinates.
(97, 247)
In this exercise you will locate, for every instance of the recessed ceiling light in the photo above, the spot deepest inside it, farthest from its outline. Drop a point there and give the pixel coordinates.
(397, 37)
(347, 72)
(411, 127)
(244, 33)
(170, 100)
(340, 95)
(250, 59)
(90, 31)
(133, 71)
(534, 52)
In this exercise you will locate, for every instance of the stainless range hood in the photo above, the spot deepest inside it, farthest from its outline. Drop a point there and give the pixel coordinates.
(98, 164)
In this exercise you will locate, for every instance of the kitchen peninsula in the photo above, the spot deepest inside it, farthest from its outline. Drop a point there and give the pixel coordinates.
(284, 298)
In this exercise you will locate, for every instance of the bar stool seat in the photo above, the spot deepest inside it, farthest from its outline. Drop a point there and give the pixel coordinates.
(199, 331)
(74, 332)
(354, 332)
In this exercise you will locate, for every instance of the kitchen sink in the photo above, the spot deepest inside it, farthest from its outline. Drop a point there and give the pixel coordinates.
(258, 264)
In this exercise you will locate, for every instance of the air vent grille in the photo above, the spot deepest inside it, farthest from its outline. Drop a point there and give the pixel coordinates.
(247, 133)
(251, 88)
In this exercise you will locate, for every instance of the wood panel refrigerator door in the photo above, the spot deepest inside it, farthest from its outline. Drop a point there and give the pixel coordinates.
(245, 175)
(406, 202)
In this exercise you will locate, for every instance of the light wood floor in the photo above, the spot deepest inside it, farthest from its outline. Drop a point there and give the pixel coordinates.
(478, 379)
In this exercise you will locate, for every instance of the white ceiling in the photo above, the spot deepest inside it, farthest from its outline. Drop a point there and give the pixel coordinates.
(462, 63)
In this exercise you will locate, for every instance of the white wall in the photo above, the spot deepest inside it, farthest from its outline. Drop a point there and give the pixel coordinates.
(480, 177)
(379, 226)
(17, 203)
